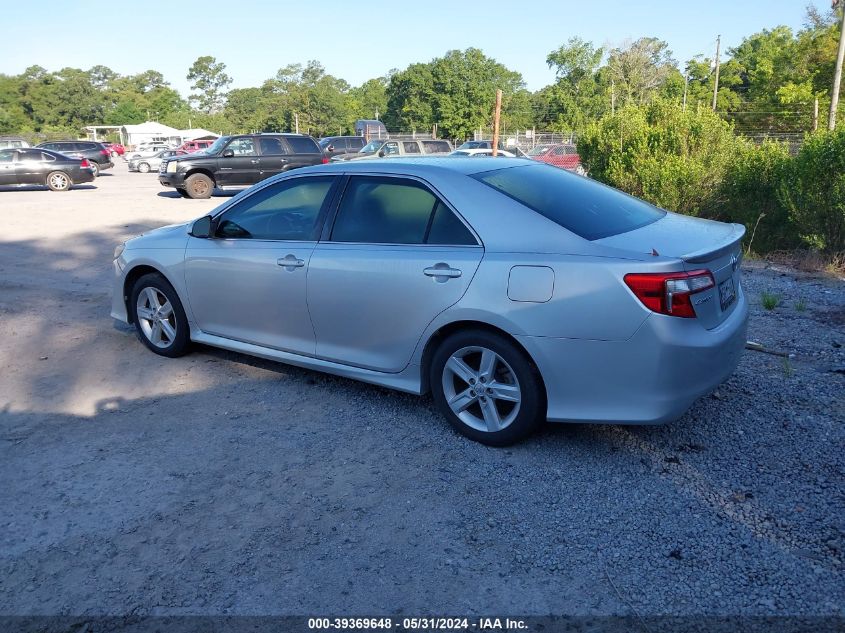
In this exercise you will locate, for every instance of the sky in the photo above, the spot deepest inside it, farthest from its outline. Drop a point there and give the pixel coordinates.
(361, 39)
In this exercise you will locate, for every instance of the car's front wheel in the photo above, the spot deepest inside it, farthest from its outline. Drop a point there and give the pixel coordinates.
(144, 168)
(487, 387)
(58, 181)
(159, 316)
(199, 186)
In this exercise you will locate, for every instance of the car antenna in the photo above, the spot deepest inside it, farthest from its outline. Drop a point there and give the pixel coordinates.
(654, 253)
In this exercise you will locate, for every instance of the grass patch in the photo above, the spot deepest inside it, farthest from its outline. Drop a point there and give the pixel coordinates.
(787, 367)
(770, 301)
(801, 305)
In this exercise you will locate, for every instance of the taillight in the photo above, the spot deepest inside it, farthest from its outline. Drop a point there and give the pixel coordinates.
(670, 293)
(104, 152)
(325, 160)
(84, 163)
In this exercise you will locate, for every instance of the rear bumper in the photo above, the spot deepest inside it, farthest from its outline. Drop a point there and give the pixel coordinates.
(105, 164)
(651, 378)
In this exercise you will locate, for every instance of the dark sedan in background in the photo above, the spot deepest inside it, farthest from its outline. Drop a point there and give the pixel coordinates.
(96, 153)
(33, 166)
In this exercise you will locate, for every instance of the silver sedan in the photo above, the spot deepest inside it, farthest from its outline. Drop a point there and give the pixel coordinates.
(146, 164)
(513, 292)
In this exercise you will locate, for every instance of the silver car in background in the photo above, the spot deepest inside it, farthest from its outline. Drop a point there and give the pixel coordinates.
(146, 164)
(513, 292)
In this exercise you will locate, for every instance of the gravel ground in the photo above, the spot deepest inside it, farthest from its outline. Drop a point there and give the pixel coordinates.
(218, 483)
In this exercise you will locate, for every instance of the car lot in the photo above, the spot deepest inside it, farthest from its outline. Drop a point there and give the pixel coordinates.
(219, 483)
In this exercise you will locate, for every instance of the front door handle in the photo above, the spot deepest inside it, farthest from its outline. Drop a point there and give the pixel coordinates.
(290, 261)
(254, 161)
(442, 270)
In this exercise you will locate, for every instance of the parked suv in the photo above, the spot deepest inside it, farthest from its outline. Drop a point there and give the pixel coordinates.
(96, 153)
(237, 161)
(339, 145)
(382, 148)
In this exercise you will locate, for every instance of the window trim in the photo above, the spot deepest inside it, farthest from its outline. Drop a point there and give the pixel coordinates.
(324, 212)
(328, 228)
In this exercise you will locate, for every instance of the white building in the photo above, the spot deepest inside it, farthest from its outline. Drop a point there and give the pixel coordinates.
(133, 135)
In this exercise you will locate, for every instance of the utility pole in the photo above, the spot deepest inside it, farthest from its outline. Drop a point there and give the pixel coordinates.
(497, 112)
(686, 83)
(612, 96)
(296, 122)
(815, 114)
(376, 114)
(837, 74)
(716, 83)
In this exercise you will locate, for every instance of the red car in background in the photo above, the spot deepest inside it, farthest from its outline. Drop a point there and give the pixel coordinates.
(564, 155)
(195, 146)
(115, 149)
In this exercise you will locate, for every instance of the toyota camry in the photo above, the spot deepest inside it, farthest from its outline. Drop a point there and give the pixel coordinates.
(513, 292)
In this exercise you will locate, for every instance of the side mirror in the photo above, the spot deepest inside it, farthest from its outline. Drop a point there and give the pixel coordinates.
(204, 227)
(330, 149)
(381, 153)
(228, 153)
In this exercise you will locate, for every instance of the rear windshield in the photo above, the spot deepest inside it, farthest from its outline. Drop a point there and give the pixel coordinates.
(303, 145)
(583, 206)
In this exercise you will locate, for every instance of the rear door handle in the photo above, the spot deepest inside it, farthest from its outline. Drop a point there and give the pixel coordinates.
(442, 270)
(289, 262)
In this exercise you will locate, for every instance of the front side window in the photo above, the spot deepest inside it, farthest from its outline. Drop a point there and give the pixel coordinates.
(583, 206)
(378, 210)
(391, 149)
(242, 147)
(287, 210)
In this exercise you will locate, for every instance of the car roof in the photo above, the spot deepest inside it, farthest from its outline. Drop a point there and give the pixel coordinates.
(427, 165)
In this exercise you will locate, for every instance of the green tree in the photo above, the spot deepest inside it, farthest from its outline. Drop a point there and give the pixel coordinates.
(209, 84)
(579, 93)
(639, 69)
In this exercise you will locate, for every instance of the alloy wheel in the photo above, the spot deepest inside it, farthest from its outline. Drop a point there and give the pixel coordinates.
(59, 181)
(481, 389)
(156, 317)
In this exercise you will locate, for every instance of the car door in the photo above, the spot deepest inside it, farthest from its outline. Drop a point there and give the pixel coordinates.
(396, 256)
(274, 157)
(239, 163)
(30, 167)
(248, 282)
(304, 151)
(7, 167)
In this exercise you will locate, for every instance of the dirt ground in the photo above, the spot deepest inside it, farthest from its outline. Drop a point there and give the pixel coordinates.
(218, 483)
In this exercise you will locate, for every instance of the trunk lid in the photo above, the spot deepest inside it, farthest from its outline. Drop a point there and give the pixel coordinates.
(701, 245)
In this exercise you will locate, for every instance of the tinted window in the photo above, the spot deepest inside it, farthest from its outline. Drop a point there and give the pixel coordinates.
(302, 145)
(29, 155)
(390, 149)
(384, 211)
(581, 205)
(7, 155)
(242, 146)
(356, 143)
(432, 147)
(288, 210)
(446, 228)
(411, 147)
(271, 146)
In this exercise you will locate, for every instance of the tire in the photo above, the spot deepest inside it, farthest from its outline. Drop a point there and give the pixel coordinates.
(161, 325)
(95, 167)
(491, 420)
(114, 154)
(144, 168)
(58, 181)
(199, 186)
(182, 192)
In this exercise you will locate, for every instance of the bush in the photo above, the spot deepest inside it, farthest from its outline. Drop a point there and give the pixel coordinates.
(750, 194)
(673, 158)
(813, 191)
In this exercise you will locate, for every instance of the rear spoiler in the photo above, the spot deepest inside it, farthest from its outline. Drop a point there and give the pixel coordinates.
(708, 254)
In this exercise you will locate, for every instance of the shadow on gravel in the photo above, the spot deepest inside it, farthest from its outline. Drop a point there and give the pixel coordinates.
(42, 188)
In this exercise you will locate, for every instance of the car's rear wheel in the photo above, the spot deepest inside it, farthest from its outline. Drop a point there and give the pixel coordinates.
(159, 316)
(95, 167)
(114, 154)
(199, 186)
(144, 168)
(58, 181)
(487, 387)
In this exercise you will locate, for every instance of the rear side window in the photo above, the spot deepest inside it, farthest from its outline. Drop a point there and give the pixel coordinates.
(7, 155)
(356, 143)
(583, 206)
(411, 147)
(302, 145)
(30, 155)
(271, 146)
(379, 210)
(433, 147)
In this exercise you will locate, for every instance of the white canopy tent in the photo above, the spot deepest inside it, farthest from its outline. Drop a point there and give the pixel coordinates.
(150, 131)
